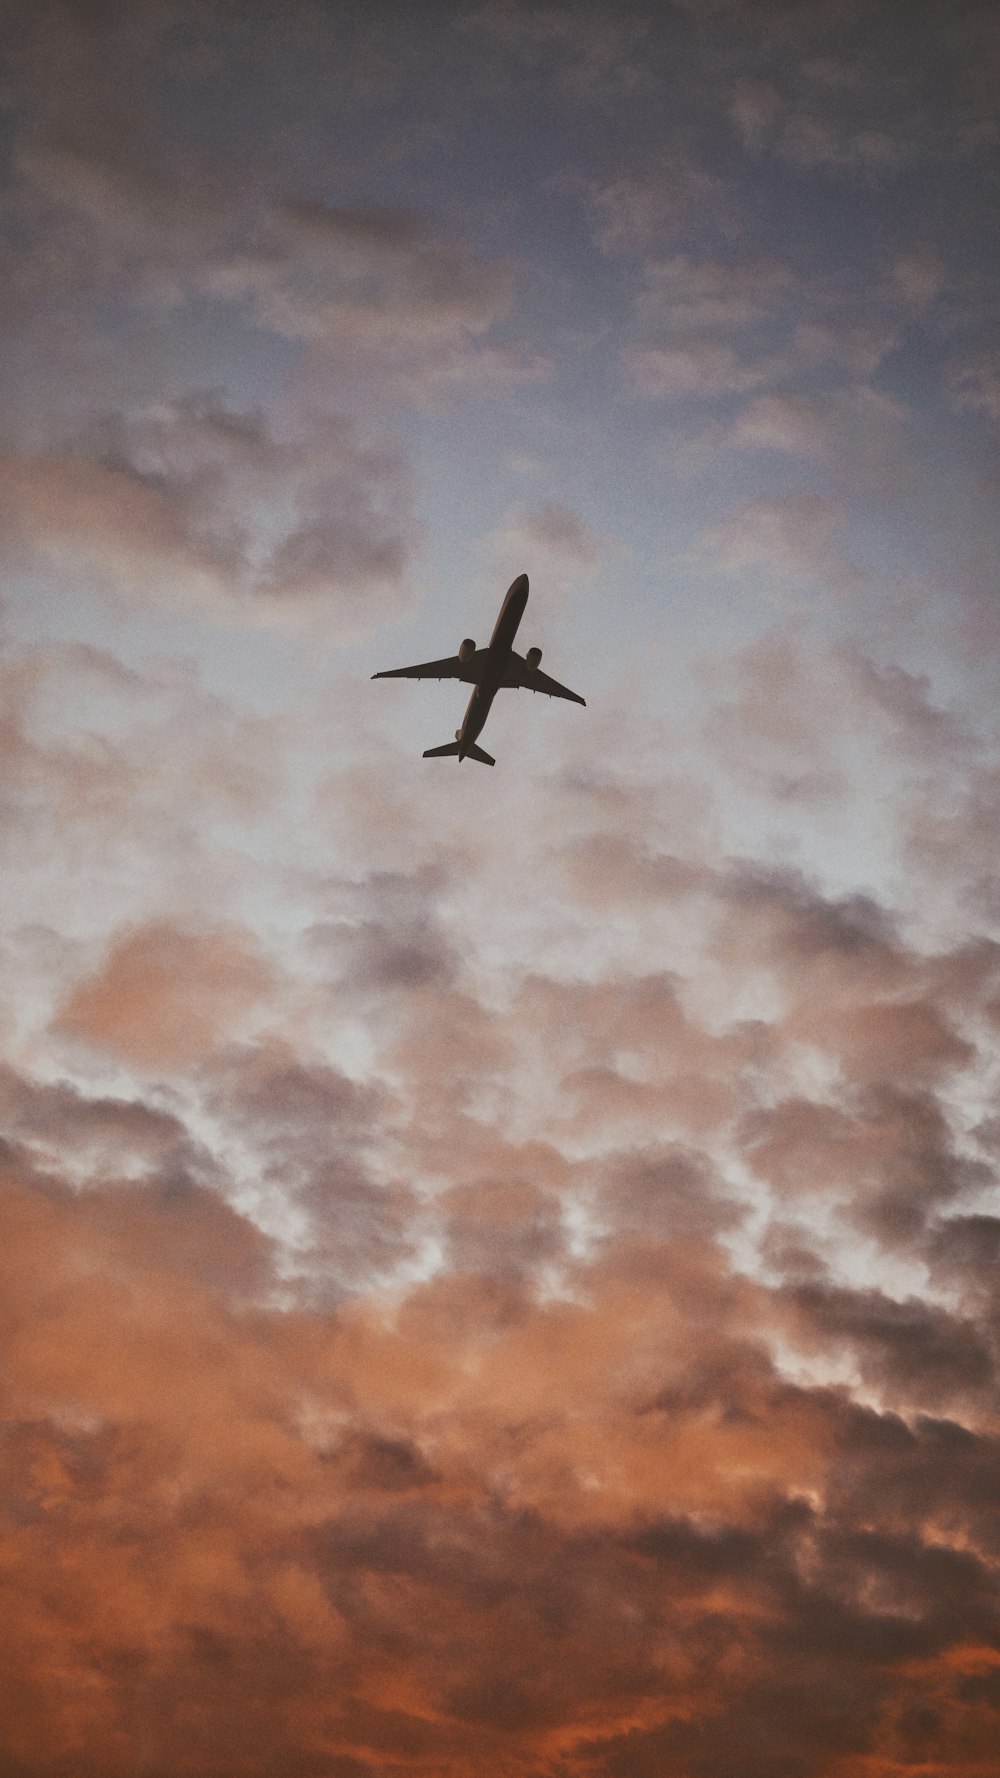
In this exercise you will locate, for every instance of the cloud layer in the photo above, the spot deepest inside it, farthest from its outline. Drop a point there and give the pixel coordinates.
(587, 1374)
(498, 1271)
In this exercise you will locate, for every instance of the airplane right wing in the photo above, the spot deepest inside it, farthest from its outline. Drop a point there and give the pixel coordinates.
(452, 668)
(533, 679)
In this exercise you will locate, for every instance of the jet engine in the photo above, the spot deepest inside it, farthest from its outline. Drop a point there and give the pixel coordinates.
(532, 659)
(466, 649)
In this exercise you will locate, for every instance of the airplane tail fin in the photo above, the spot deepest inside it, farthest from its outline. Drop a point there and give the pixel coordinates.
(450, 749)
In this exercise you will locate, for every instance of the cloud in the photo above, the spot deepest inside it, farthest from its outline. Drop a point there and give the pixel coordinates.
(951, 833)
(637, 215)
(774, 729)
(783, 718)
(308, 1493)
(199, 508)
(516, 1389)
(861, 435)
(787, 541)
(973, 383)
(807, 97)
(723, 326)
(63, 1127)
(130, 240)
(388, 937)
(312, 1130)
(921, 277)
(164, 997)
(371, 292)
(364, 282)
(565, 552)
(575, 54)
(910, 1350)
(491, 1285)
(108, 767)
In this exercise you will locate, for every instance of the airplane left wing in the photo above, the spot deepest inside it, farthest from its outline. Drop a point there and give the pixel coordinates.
(452, 668)
(533, 679)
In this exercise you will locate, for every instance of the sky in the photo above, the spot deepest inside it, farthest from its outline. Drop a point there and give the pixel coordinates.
(498, 1274)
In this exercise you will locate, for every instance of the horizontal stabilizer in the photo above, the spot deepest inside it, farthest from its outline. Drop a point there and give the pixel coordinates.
(449, 750)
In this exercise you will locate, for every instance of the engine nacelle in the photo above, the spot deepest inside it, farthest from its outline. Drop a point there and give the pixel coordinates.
(466, 649)
(532, 659)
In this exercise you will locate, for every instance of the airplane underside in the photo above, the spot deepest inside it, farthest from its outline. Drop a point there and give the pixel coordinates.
(488, 669)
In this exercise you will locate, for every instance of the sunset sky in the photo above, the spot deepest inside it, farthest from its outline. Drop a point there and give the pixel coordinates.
(498, 1268)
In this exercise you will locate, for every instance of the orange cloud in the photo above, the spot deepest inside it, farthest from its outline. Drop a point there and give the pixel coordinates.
(467, 1532)
(164, 996)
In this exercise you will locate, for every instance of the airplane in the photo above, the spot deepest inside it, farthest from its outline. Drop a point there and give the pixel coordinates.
(488, 669)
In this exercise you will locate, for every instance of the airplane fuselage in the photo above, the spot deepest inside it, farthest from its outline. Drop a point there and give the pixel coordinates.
(486, 670)
(495, 661)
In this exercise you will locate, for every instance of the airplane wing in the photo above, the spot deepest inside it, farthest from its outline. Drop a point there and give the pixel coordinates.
(520, 674)
(452, 668)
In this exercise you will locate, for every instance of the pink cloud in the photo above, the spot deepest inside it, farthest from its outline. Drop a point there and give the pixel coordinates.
(164, 996)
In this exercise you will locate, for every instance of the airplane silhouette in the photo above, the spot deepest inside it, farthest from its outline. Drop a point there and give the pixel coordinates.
(488, 669)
